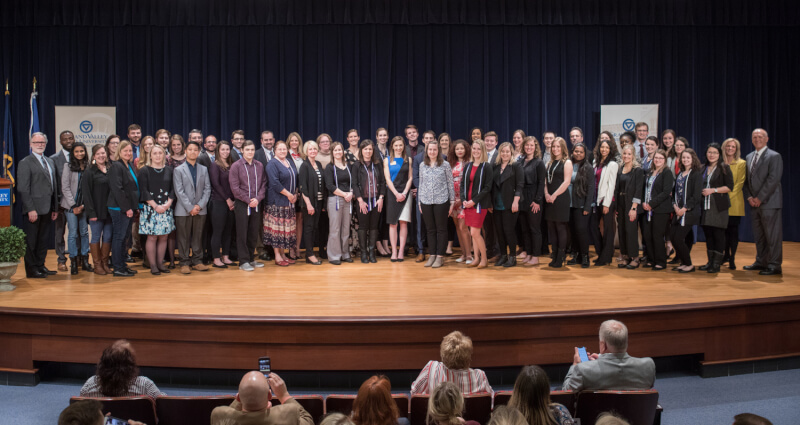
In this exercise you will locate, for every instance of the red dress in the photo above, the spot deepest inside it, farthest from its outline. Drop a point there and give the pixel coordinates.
(472, 217)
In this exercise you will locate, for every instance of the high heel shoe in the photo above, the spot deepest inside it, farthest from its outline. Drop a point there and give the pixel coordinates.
(632, 266)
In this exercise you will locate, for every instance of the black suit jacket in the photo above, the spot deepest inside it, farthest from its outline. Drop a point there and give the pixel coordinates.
(59, 160)
(481, 185)
(205, 159)
(35, 189)
(661, 192)
(309, 184)
(693, 197)
(534, 175)
(508, 183)
(722, 177)
(359, 173)
(261, 156)
(585, 202)
(124, 193)
(634, 189)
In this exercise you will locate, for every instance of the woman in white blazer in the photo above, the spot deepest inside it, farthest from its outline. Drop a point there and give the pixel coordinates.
(605, 170)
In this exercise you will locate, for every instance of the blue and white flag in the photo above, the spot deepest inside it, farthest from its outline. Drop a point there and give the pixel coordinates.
(34, 112)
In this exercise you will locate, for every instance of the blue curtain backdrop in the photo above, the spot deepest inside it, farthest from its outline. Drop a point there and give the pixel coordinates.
(717, 68)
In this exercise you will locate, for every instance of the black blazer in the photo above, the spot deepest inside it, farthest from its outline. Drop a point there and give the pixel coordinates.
(124, 193)
(722, 177)
(661, 192)
(693, 197)
(261, 156)
(534, 175)
(204, 159)
(309, 184)
(508, 183)
(481, 186)
(634, 189)
(95, 192)
(359, 173)
(585, 202)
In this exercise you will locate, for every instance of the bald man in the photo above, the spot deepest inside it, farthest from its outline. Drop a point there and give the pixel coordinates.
(762, 190)
(253, 407)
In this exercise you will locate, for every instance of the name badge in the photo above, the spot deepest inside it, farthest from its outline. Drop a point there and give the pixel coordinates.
(393, 163)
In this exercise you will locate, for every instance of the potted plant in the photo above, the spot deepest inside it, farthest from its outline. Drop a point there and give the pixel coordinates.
(12, 248)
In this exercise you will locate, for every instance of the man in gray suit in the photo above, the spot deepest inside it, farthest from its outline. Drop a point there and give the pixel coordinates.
(60, 158)
(613, 368)
(36, 188)
(192, 192)
(762, 189)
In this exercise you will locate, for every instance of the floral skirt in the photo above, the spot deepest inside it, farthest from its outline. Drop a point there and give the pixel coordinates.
(280, 227)
(153, 223)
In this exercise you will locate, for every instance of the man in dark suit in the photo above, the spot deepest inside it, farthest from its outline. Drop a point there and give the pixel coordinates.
(205, 159)
(209, 151)
(60, 158)
(492, 249)
(36, 188)
(762, 190)
(265, 155)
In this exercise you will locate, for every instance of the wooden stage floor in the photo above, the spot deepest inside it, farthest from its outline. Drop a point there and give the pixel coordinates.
(395, 290)
(391, 316)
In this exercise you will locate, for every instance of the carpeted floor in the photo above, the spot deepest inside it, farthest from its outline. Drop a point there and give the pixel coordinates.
(687, 399)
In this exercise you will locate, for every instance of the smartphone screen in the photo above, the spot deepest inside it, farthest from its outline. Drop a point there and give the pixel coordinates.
(110, 420)
(582, 353)
(264, 366)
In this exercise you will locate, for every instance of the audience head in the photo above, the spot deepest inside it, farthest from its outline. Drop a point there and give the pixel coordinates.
(478, 152)
(713, 154)
(506, 415)
(432, 150)
(254, 392)
(158, 157)
(608, 418)
(79, 157)
(248, 150)
(176, 145)
(117, 368)
(651, 144)
(324, 141)
(196, 136)
(668, 139)
(659, 161)
(680, 145)
(750, 419)
(381, 136)
(531, 396)
(311, 146)
(445, 405)
(237, 138)
(629, 156)
(373, 404)
(613, 337)
(444, 143)
(579, 153)
(336, 418)
(135, 133)
(626, 138)
(428, 136)
(83, 412)
(210, 143)
(337, 153)
(456, 348)
(223, 157)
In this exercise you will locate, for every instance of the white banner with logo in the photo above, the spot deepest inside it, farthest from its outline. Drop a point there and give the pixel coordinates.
(90, 124)
(621, 118)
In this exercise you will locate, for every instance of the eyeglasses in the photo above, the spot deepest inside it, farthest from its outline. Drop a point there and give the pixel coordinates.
(38, 143)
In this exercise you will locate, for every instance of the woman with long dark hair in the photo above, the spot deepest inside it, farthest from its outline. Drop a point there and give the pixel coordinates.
(657, 205)
(436, 197)
(583, 189)
(731, 151)
(118, 376)
(531, 397)
(95, 197)
(717, 182)
(687, 205)
(222, 205)
(458, 157)
(382, 151)
(280, 220)
(628, 194)
(397, 170)
(559, 174)
(339, 180)
(369, 189)
(73, 203)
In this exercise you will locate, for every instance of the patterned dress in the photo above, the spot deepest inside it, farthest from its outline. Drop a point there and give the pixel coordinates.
(155, 185)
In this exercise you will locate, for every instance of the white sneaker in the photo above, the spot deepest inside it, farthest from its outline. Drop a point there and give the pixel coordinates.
(257, 264)
(246, 267)
(468, 262)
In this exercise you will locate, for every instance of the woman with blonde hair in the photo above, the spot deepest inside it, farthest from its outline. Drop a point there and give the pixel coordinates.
(456, 354)
(732, 154)
(558, 176)
(475, 192)
(532, 201)
(505, 415)
(144, 154)
(628, 194)
(446, 405)
(531, 397)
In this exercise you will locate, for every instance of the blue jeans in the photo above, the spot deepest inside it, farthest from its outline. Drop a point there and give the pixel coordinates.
(101, 227)
(77, 223)
(121, 226)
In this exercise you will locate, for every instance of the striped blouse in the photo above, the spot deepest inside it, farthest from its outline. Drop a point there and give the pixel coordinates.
(139, 386)
(470, 381)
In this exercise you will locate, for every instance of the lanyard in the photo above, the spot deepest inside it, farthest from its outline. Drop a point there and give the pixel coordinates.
(371, 184)
(350, 186)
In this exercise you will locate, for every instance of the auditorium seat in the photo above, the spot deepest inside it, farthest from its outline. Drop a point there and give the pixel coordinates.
(342, 403)
(638, 407)
(566, 398)
(402, 403)
(478, 407)
(419, 409)
(173, 410)
(138, 408)
(313, 403)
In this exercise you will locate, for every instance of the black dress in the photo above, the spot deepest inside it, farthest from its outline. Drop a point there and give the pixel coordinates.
(394, 208)
(558, 210)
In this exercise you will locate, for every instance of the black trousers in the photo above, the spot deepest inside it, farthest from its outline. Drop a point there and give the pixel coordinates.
(505, 225)
(36, 241)
(545, 228)
(580, 230)
(654, 230)
(678, 237)
(207, 232)
(310, 226)
(531, 231)
(248, 231)
(628, 234)
(368, 224)
(603, 244)
(323, 229)
(715, 238)
(732, 235)
(490, 235)
(558, 231)
(435, 216)
(221, 226)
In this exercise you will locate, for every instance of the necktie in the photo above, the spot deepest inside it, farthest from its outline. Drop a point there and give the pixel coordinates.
(755, 162)
(47, 169)
(641, 150)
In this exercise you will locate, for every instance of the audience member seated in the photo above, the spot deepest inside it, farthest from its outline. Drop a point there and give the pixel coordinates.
(86, 412)
(531, 397)
(507, 415)
(750, 419)
(446, 405)
(613, 368)
(609, 418)
(456, 354)
(336, 418)
(252, 404)
(118, 376)
(374, 404)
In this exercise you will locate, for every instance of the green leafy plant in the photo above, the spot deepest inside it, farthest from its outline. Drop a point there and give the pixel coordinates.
(12, 244)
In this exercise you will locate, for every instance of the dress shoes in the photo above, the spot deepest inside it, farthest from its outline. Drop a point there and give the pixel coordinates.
(754, 267)
(771, 271)
(123, 273)
(316, 263)
(266, 256)
(35, 274)
(62, 267)
(420, 257)
(200, 267)
(46, 271)
(335, 262)
(347, 260)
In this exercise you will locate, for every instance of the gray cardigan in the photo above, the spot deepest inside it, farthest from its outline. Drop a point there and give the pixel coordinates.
(70, 182)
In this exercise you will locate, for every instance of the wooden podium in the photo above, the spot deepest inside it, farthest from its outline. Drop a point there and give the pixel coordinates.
(6, 208)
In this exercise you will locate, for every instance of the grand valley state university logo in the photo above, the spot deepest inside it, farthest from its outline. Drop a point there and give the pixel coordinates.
(86, 126)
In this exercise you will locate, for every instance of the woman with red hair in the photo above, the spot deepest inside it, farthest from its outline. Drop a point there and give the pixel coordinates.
(374, 405)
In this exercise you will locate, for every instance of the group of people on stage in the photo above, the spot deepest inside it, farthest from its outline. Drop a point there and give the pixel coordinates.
(220, 201)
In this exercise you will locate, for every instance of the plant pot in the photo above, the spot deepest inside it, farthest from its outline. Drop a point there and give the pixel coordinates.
(6, 271)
